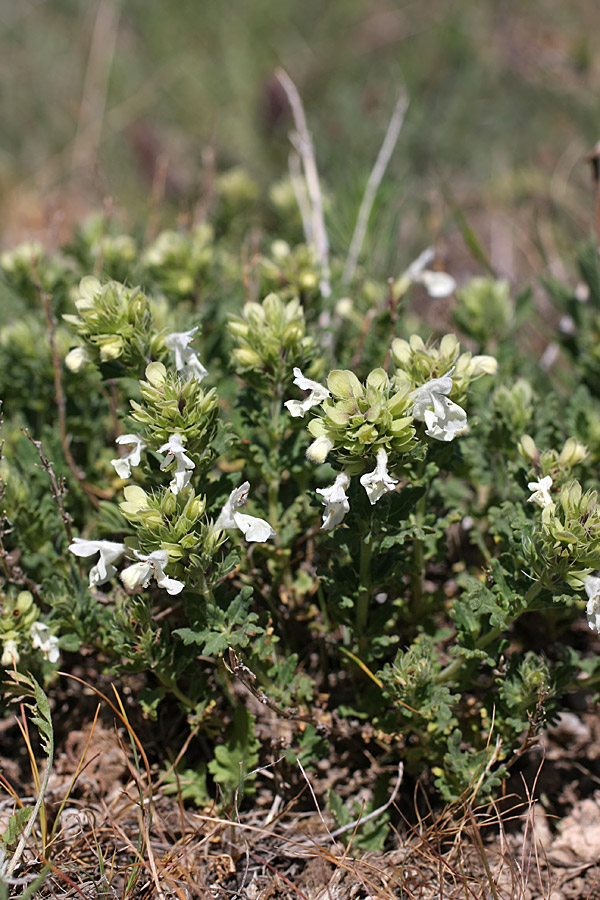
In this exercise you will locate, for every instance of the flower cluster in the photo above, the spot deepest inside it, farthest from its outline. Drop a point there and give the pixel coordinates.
(114, 322)
(358, 419)
(356, 422)
(22, 631)
(174, 406)
(179, 261)
(271, 337)
(567, 542)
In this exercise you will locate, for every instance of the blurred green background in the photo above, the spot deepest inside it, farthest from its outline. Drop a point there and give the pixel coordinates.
(134, 106)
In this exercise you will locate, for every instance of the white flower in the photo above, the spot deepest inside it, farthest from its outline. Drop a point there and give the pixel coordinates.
(378, 482)
(437, 284)
(317, 394)
(183, 464)
(123, 464)
(151, 566)
(47, 643)
(592, 589)
(430, 404)
(541, 492)
(10, 654)
(318, 450)
(336, 502)
(76, 359)
(110, 552)
(252, 528)
(186, 359)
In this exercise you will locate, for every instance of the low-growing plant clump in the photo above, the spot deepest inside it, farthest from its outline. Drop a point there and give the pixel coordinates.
(268, 489)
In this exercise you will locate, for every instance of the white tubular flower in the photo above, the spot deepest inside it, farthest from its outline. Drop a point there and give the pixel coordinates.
(437, 284)
(336, 502)
(184, 465)
(317, 451)
(430, 404)
(76, 359)
(42, 640)
(378, 482)
(592, 589)
(110, 553)
(10, 654)
(187, 360)
(252, 528)
(123, 464)
(541, 492)
(151, 566)
(317, 394)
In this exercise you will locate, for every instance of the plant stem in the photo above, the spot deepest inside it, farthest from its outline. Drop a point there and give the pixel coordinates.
(416, 578)
(274, 441)
(176, 691)
(206, 588)
(452, 668)
(364, 598)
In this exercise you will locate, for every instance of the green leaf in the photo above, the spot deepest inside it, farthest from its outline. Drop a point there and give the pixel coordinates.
(235, 758)
(16, 824)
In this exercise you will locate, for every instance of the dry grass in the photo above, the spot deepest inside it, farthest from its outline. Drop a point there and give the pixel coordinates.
(109, 829)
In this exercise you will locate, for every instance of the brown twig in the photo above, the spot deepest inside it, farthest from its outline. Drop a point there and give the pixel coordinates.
(246, 676)
(59, 487)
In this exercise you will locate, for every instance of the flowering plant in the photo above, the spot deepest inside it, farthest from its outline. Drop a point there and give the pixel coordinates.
(361, 523)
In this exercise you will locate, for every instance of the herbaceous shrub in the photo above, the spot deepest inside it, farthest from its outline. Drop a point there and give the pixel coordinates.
(210, 483)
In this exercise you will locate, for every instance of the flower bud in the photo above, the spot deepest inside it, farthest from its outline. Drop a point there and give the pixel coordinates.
(156, 374)
(449, 345)
(572, 453)
(135, 500)
(185, 284)
(280, 250)
(528, 449)
(483, 365)
(247, 358)
(401, 351)
(24, 601)
(89, 286)
(76, 359)
(344, 307)
(10, 654)
(308, 281)
(168, 503)
(111, 349)
(317, 452)
(238, 329)
(274, 309)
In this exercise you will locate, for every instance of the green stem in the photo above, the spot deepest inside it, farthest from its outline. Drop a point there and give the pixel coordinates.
(418, 572)
(364, 598)
(205, 588)
(452, 668)
(171, 685)
(274, 442)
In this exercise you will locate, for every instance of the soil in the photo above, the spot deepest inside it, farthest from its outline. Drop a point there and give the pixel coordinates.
(120, 833)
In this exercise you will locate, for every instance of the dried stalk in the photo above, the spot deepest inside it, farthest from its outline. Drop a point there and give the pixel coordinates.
(377, 173)
(302, 142)
(299, 187)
